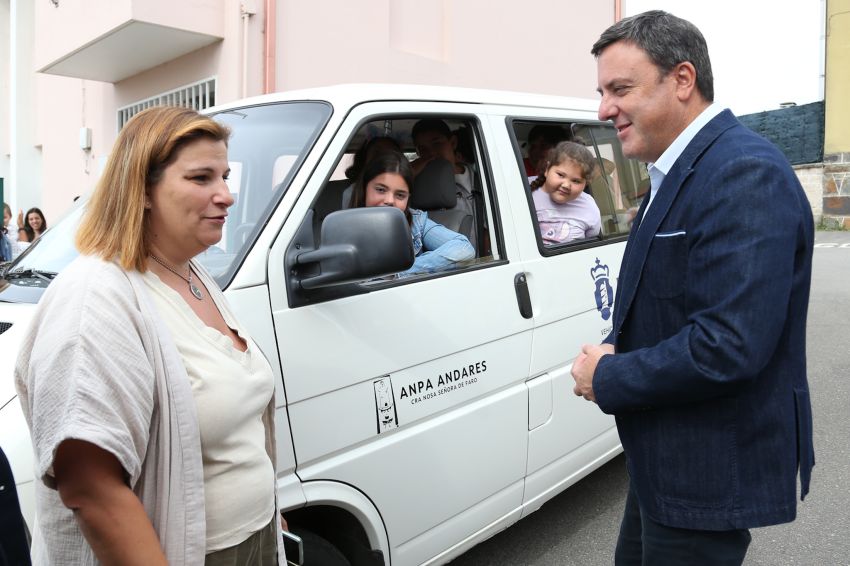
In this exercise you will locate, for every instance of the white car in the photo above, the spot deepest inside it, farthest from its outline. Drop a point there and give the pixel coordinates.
(417, 416)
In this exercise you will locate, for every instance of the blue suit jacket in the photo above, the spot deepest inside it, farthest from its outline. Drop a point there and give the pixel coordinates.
(709, 381)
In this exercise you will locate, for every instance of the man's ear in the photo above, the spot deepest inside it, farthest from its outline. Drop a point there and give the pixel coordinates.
(685, 75)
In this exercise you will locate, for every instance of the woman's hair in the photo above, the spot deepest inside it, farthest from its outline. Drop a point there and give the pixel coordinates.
(29, 229)
(115, 224)
(563, 152)
(366, 152)
(389, 162)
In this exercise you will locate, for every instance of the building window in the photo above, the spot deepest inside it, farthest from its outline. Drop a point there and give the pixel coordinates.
(199, 95)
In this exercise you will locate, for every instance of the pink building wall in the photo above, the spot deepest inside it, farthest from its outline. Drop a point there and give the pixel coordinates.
(537, 46)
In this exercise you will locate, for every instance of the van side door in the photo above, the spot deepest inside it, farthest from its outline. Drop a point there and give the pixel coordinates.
(572, 287)
(412, 390)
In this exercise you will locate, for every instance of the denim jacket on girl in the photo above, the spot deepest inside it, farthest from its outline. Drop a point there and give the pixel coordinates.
(436, 247)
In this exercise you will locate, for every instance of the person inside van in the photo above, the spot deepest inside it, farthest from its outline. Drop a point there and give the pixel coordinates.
(386, 181)
(434, 140)
(564, 211)
(541, 139)
(364, 155)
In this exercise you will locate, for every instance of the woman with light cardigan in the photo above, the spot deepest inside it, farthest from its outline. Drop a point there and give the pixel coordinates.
(150, 408)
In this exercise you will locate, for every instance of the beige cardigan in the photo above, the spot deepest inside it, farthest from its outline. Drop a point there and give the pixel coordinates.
(98, 364)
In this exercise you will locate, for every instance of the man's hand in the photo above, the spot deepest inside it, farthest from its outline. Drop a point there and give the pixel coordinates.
(584, 367)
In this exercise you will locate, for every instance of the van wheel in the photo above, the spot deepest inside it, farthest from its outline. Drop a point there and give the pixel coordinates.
(318, 551)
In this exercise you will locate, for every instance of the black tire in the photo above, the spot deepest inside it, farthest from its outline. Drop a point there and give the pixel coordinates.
(318, 551)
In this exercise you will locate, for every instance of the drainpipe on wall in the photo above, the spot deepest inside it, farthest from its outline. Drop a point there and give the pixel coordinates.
(247, 10)
(618, 10)
(271, 40)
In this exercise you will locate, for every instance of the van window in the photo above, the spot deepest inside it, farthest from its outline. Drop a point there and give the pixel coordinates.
(616, 185)
(455, 195)
(266, 148)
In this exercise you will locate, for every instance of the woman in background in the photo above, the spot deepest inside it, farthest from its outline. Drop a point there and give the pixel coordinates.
(33, 226)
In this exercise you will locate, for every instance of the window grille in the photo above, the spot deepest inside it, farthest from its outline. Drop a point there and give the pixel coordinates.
(199, 95)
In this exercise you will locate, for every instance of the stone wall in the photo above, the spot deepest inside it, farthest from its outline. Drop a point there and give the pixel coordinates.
(811, 176)
(836, 190)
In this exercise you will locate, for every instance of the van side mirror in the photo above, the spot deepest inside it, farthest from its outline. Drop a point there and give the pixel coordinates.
(356, 245)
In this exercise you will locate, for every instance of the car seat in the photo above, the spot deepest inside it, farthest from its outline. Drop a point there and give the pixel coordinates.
(434, 191)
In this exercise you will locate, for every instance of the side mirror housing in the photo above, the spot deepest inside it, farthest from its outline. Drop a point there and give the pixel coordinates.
(356, 245)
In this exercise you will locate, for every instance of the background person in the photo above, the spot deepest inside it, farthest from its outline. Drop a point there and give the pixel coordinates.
(11, 227)
(434, 140)
(33, 225)
(564, 211)
(708, 382)
(148, 404)
(8, 236)
(541, 139)
(386, 181)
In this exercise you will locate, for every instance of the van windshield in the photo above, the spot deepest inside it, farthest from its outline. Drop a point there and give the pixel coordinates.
(267, 146)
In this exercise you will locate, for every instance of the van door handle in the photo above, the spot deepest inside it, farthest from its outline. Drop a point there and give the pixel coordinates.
(523, 299)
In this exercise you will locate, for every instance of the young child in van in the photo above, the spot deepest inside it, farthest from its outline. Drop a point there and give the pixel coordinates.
(564, 211)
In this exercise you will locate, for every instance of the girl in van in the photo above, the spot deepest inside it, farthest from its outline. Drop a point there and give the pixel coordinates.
(367, 152)
(386, 181)
(564, 211)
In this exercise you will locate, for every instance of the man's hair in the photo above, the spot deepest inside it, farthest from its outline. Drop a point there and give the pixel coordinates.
(115, 223)
(667, 40)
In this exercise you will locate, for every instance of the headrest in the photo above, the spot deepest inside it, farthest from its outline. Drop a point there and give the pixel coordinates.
(434, 187)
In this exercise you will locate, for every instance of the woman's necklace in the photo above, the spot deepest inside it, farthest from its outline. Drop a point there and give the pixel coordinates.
(192, 287)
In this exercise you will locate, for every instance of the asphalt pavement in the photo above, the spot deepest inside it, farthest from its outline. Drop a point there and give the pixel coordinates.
(579, 527)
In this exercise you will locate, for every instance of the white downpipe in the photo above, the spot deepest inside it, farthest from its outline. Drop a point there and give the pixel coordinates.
(269, 82)
(247, 10)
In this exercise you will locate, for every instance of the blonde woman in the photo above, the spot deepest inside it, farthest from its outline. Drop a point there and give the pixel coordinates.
(149, 406)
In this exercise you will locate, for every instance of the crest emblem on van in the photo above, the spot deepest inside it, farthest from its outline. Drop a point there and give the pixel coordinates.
(604, 293)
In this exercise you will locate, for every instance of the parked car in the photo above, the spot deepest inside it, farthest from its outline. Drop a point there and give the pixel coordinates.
(416, 416)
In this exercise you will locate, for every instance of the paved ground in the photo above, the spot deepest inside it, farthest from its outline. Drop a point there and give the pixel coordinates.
(579, 527)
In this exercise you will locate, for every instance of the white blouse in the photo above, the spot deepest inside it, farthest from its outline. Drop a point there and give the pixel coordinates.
(232, 390)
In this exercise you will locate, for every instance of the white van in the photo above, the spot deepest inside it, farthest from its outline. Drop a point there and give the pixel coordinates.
(416, 416)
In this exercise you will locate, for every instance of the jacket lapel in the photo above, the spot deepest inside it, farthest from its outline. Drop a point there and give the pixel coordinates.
(642, 235)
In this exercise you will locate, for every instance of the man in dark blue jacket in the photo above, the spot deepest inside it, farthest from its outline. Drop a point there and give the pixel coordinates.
(705, 367)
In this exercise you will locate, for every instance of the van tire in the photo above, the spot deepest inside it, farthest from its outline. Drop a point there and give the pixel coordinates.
(318, 551)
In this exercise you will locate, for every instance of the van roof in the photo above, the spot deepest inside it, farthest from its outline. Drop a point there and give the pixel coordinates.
(350, 95)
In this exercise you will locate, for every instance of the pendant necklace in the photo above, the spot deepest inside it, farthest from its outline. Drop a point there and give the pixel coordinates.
(192, 287)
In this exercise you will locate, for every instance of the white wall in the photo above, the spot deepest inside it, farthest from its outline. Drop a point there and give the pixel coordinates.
(25, 163)
(5, 137)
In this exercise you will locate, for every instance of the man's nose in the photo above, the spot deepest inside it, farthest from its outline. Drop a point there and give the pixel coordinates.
(607, 110)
